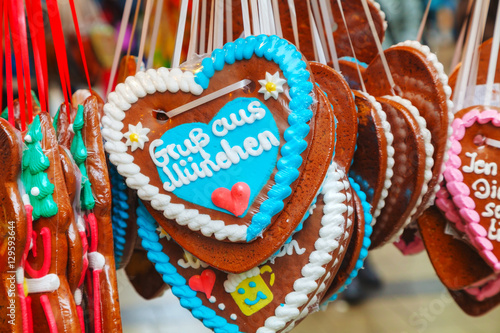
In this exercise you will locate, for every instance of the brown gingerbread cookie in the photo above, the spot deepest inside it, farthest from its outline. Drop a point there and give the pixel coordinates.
(14, 227)
(420, 78)
(457, 265)
(341, 98)
(349, 69)
(373, 160)
(412, 169)
(46, 266)
(213, 210)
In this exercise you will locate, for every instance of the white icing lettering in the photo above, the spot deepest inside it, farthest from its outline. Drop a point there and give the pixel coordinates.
(235, 153)
(480, 167)
(256, 113)
(493, 231)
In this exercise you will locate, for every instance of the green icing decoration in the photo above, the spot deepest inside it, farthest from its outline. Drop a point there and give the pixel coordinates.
(79, 152)
(34, 178)
(54, 122)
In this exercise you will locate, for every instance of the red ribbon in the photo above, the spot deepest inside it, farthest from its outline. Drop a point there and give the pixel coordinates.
(80, 44)
(8, 68)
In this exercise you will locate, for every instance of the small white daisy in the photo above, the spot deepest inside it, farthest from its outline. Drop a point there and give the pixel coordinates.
(272, 85)
(136, 136)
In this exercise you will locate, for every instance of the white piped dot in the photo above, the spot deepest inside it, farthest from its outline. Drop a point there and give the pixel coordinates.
(190, 159)
(35, 191)
(212, 299)
(27, 138)
(233, 316)
(222, 306)
(71, 128)
(183, 163)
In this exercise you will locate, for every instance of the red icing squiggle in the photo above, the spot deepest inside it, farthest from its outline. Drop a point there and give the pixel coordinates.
(30, 314)
(47, 243)
(24, 310)
(44, 300)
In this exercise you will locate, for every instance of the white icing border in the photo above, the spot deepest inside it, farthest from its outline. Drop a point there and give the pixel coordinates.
(429, 161)
(390, 155)
(120, 101)
(443, 78)
(331, 230)
(382, 15)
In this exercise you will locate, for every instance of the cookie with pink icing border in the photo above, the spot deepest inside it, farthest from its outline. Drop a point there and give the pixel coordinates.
(471, 178)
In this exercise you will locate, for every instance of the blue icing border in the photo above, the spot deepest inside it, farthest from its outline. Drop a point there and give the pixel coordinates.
(119, 214)
(366, 239)
(187, 296)
(294, 70)
(356, 61)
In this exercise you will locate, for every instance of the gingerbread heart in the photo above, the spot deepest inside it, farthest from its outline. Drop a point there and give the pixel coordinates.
(266, 207)
(419, 78)
(267, 297)
(342, 100)
(233, 138)
(456, 264)
(374, 157)
(412, 169)
(471, 178)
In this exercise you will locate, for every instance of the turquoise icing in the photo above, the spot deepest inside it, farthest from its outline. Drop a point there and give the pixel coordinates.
(366, 240)
(187, 296)
(294, 70)
(254, 170)
(119, 213)
(354, 60)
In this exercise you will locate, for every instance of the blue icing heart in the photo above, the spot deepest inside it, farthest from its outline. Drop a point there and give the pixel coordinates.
(240, 144)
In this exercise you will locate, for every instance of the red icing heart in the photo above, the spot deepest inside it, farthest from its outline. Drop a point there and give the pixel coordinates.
(204, 282)
(235, 201)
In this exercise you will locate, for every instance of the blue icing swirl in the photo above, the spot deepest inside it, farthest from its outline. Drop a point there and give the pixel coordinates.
(366, 239)
(286, 56)
(119, 214)
(188, 299)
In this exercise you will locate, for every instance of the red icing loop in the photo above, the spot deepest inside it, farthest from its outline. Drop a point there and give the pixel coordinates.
(235, 201)
(203, 283)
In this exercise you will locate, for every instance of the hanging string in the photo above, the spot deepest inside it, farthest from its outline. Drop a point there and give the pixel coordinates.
(229, 21)
(277, 20)
(270, 16)
(293, 19)
(246, 18)
(329, 34)
(134, 26)
(339, 3)
(60, 49)
(8, 69)
(193, 38)
(154, 35)
(255, 17)
(320, 26)
(119, 45)
(219, 24)
(18, 62)
(492, 66)
(210, 43)
(424, 21)
(459, 50)
(379, 45)
(144, 32)
(80, 44)
(39, 72)
(203, 25)
(461, 85)
(319, 53)
(20, 26)
(180, 34)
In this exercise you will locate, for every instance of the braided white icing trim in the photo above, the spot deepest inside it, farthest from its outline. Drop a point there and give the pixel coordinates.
(443, 78)
(390, 155)
(429, 161)
(382, 15)
(233, 280)
(331, 231)
(119, 102)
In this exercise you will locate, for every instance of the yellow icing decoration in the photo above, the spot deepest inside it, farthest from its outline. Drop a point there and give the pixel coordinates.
(270, 86)
(25, 286)
(253, 294)
(134, 137)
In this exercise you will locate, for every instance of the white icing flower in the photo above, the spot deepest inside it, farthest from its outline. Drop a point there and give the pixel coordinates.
(272, 85)
(136, 136)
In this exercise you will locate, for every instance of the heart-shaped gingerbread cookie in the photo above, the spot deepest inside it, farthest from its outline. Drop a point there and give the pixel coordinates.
(472, 178)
